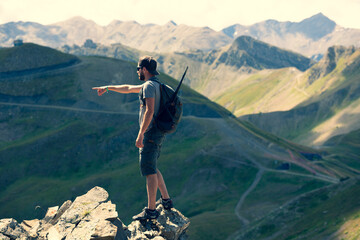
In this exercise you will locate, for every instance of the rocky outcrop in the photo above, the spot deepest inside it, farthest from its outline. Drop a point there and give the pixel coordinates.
(93, 216)
(246, 51)
(329, 62)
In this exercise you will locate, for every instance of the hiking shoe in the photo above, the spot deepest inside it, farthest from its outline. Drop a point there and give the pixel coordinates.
(146, 214)
(167, 203)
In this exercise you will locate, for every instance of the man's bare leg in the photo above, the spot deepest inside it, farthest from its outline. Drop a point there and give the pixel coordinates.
(162, 186)
(152, 186)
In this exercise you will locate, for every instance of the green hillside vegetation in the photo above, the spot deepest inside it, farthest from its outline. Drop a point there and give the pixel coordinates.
(31, 56)
(263, 92)
(330, 108)
(59, 139)
(118, 51)
(345, 148)
(321, 214)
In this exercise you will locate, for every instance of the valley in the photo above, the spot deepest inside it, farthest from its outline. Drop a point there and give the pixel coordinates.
(238, 79)
(242, 164)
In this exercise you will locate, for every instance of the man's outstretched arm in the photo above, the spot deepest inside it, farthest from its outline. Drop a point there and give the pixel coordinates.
(118, 88)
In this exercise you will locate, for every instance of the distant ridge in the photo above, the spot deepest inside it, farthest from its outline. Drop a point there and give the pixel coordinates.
(150, 37)
(309, 37)
(314, 28)
(312, 36)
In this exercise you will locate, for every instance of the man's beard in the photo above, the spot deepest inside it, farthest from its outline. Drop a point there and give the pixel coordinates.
(142, 77)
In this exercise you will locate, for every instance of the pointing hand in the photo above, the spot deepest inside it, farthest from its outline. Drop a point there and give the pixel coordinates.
(100, 90)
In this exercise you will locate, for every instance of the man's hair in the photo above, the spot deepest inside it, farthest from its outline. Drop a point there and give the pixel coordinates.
(149, 63)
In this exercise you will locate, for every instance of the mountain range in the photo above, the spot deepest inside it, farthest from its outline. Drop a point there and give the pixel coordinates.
(216, 70)
(58, 139)
(252, 77)
(310, 37)
(267, 148)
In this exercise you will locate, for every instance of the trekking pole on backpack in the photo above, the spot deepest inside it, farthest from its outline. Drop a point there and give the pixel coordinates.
(178, 87)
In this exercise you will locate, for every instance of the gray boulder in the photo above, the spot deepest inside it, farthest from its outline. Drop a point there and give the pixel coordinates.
(170, 225)
(11, 229)
(93, 217)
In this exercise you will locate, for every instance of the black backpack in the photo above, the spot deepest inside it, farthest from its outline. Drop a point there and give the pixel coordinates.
(171, 108)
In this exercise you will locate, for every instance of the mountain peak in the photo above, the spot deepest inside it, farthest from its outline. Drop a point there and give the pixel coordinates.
(315, 27)
(75, 20)
(319, 18)
(319, 15)
(247, 51)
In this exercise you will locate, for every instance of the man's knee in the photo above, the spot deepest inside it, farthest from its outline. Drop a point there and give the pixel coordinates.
(151, 178)
(151, 175)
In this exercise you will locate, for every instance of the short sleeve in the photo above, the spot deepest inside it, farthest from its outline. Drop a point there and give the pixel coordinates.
(149, 90)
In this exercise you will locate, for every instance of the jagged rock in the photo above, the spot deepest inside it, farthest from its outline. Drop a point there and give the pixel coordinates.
(62, 209)
(92, 217)
(170, 225)
(51, 213)
(84, 215)
(31, 226)
(3, 237)
(95, 220)
(10, 229)
(84, 204)
(53, 234)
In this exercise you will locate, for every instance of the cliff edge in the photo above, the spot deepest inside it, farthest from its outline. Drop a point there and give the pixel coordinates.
(93, 216)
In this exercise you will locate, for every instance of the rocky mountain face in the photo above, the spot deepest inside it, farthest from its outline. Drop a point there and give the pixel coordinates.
(309, 37)
(330, 61)
(93, 216)
(247, 52)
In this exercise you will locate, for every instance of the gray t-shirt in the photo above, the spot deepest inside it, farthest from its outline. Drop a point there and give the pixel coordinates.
(150, 89)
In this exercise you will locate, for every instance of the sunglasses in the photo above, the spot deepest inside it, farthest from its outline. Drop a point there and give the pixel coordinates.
(138, 68)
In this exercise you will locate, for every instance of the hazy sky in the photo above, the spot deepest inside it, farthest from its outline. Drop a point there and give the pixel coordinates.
(216, 14)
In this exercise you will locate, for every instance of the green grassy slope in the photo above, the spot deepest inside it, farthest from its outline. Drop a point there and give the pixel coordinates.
(331, 108)
(263, 92)
(31, 56)
(59, 139)
(327, 213)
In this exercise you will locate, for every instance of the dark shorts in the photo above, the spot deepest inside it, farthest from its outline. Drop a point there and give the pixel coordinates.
(151, 151)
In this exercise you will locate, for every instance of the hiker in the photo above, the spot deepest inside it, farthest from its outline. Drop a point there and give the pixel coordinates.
(150, 138)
